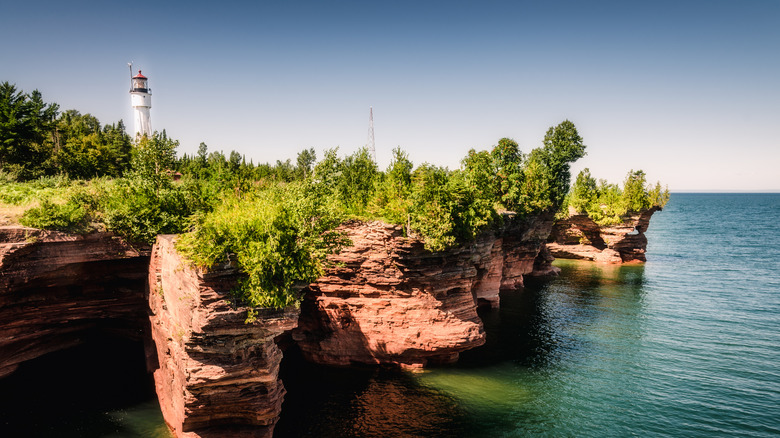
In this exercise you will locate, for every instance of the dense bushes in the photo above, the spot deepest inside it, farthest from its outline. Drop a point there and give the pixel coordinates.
(607, 203)
(138, 207)
(70, 217)
(280, 232)
(279, 236)
(276, 223)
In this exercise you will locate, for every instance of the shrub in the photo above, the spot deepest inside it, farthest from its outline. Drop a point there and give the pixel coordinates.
(70, 217)
(446, 209)
(137, 210)
(278, 237)
(391, 200)
(355, 182)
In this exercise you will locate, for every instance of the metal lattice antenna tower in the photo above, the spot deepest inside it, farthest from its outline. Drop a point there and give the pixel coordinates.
(371, 146)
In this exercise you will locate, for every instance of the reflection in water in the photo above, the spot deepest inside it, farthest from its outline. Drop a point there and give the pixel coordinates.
(360, 402)
(552, 349)
(683, 346)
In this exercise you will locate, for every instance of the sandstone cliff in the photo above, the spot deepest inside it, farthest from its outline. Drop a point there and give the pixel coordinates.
(384, 300)
(217, 376)
(387, 300)
(57, 288)
(578, 237)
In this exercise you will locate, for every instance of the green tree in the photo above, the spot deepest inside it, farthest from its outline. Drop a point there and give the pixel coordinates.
(26, 123)
(356, 182)
(562, 146)
(119, 147)
(535, 191)
(584, 192)
(431, 210)
(507, 161)
(480, 173)
(658, 195)
(306, 159)
(635, 195)
(202, 153)
(393, 190)
(154, 157)
(607, 204)
(327, 172)
(234, 162)
(84, 150)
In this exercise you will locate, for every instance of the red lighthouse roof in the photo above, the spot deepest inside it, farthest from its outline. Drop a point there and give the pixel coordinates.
(139, 76)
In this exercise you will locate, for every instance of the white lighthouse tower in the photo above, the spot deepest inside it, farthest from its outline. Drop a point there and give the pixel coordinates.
(141, 100)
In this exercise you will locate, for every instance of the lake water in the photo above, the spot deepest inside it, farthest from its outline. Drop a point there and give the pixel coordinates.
(686, 345)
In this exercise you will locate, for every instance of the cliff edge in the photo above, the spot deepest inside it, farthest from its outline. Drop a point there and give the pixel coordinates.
(387, 300)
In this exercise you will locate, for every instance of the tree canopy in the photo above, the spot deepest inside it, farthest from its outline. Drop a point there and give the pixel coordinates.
(37, 140)
(607, 203)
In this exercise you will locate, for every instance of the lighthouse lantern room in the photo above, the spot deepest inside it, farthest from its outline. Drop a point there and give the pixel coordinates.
(141, 100)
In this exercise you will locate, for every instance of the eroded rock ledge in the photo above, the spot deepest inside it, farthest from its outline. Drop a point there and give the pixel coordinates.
(578, 237)
(386, 300)
(56, 288)
(217, 375)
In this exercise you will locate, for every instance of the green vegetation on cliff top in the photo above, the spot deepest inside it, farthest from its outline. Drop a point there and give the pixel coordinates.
(276, 223)
(607, 203)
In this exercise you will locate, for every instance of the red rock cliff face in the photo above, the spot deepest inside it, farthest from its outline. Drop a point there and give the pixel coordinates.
(386, 300)
(217, 376)
(578, 237)
(56, 289)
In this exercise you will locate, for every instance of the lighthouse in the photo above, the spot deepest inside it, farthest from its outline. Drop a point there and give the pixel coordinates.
(141, 100)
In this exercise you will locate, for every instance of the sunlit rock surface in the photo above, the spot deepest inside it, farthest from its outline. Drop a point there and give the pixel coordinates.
(217, 375)
(387, 300)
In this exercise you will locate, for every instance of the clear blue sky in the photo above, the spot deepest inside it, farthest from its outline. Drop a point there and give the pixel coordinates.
(689, 91)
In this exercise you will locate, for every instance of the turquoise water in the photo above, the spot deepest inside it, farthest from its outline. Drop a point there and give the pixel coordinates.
(686, 345)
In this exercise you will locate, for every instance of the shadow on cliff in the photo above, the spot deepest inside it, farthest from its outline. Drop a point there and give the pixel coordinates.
(318, 325)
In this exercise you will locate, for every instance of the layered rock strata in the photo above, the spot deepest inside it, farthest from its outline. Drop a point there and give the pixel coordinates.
(578, 237)
(217, 375)
(57, 289)
(387, 300)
